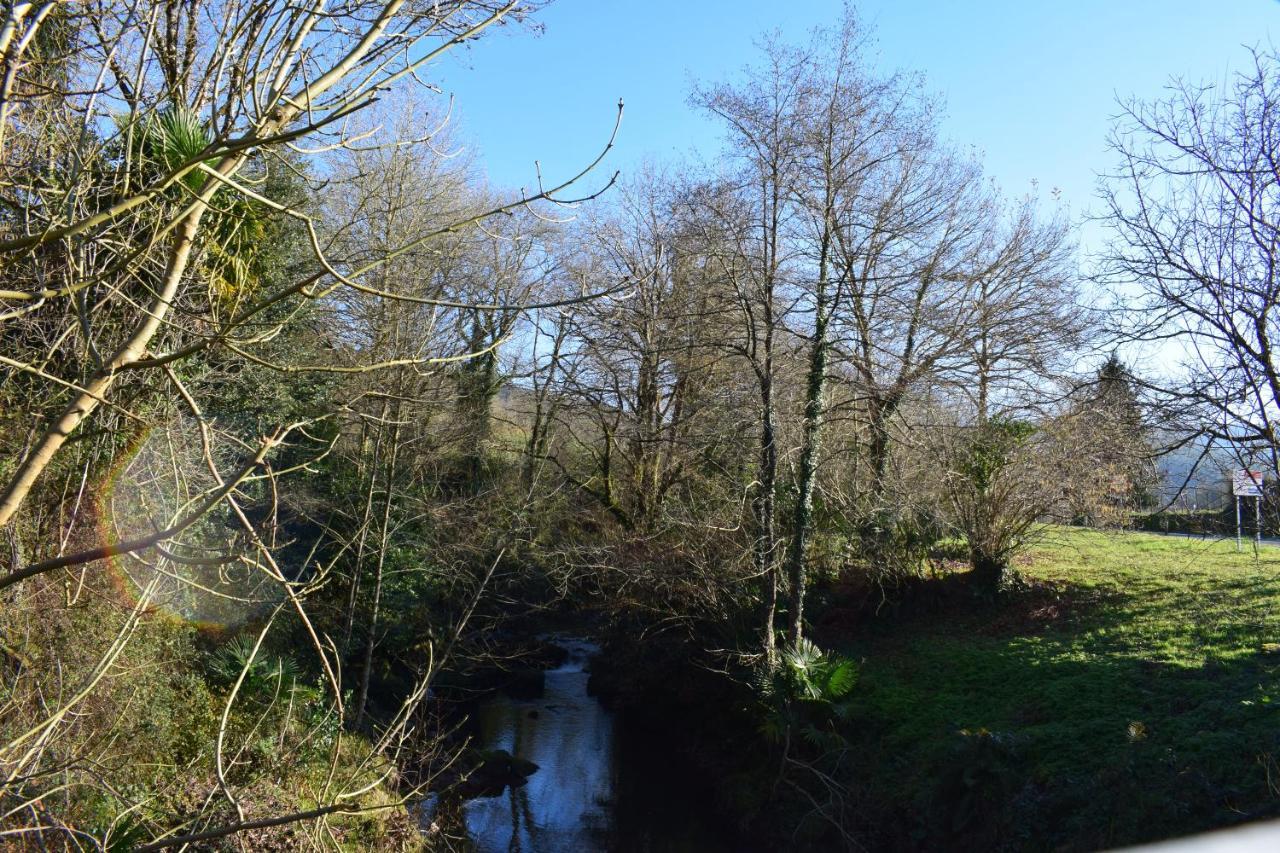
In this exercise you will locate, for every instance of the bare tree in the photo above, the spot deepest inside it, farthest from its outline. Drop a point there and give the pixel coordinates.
(910, 314)
(156, 253)
(853, 130)
(1031, 321)
(1195, 251)
(753, 215)
(272, 76)
(643, 357)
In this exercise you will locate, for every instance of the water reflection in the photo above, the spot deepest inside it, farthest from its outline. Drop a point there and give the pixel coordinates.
(600, 786)
(565, 804)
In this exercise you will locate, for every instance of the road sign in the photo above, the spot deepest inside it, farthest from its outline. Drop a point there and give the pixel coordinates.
(1246, 484)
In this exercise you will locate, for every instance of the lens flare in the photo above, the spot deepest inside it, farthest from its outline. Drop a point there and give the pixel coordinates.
(208, 573)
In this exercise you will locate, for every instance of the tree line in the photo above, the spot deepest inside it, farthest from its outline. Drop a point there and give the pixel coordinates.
(296, 408)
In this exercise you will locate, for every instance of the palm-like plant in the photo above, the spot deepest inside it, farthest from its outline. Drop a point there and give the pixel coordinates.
(807, 693)
(174, 138)
(235, 229)
(261, 671)
(816, 675)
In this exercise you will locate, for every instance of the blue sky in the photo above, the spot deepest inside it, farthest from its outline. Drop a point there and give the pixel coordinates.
(1031, 85)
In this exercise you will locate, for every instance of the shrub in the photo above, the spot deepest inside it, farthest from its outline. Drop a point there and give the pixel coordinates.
(807, 694)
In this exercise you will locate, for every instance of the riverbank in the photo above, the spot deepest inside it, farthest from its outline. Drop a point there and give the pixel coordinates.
(1120, 691)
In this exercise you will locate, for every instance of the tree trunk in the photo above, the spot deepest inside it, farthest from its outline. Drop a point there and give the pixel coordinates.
(479, 387)
(383, 541)
(544, 409)
(85, 402)
(766, 535)
(878, 449)
(362, 537)
(814, 391)
(987, 572)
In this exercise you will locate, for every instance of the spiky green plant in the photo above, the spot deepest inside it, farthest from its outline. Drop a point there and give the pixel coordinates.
(265, 671)
(235, 229)
(816, 675)
(175, 137)
(807, 694)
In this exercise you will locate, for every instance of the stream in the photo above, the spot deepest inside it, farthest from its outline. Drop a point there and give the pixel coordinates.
(598, 787)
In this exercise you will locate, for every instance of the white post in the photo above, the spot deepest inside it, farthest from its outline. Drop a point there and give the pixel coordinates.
(1257, 505)
(1237, 522)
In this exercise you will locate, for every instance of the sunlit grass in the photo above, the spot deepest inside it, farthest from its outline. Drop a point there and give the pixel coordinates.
(1137, 691)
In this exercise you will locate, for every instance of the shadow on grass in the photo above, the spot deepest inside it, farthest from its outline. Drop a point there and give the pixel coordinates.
(856, 607)
(1061, 716)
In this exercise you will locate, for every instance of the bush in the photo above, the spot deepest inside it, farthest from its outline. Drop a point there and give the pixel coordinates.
(898, 543)
(1199, 522)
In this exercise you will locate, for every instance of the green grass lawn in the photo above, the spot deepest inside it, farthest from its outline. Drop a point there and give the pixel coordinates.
(1128, 692)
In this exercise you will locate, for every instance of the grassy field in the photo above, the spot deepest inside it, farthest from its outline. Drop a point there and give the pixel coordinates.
(1127, 691)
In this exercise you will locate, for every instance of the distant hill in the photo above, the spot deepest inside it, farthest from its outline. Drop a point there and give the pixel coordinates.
(1207, 476)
